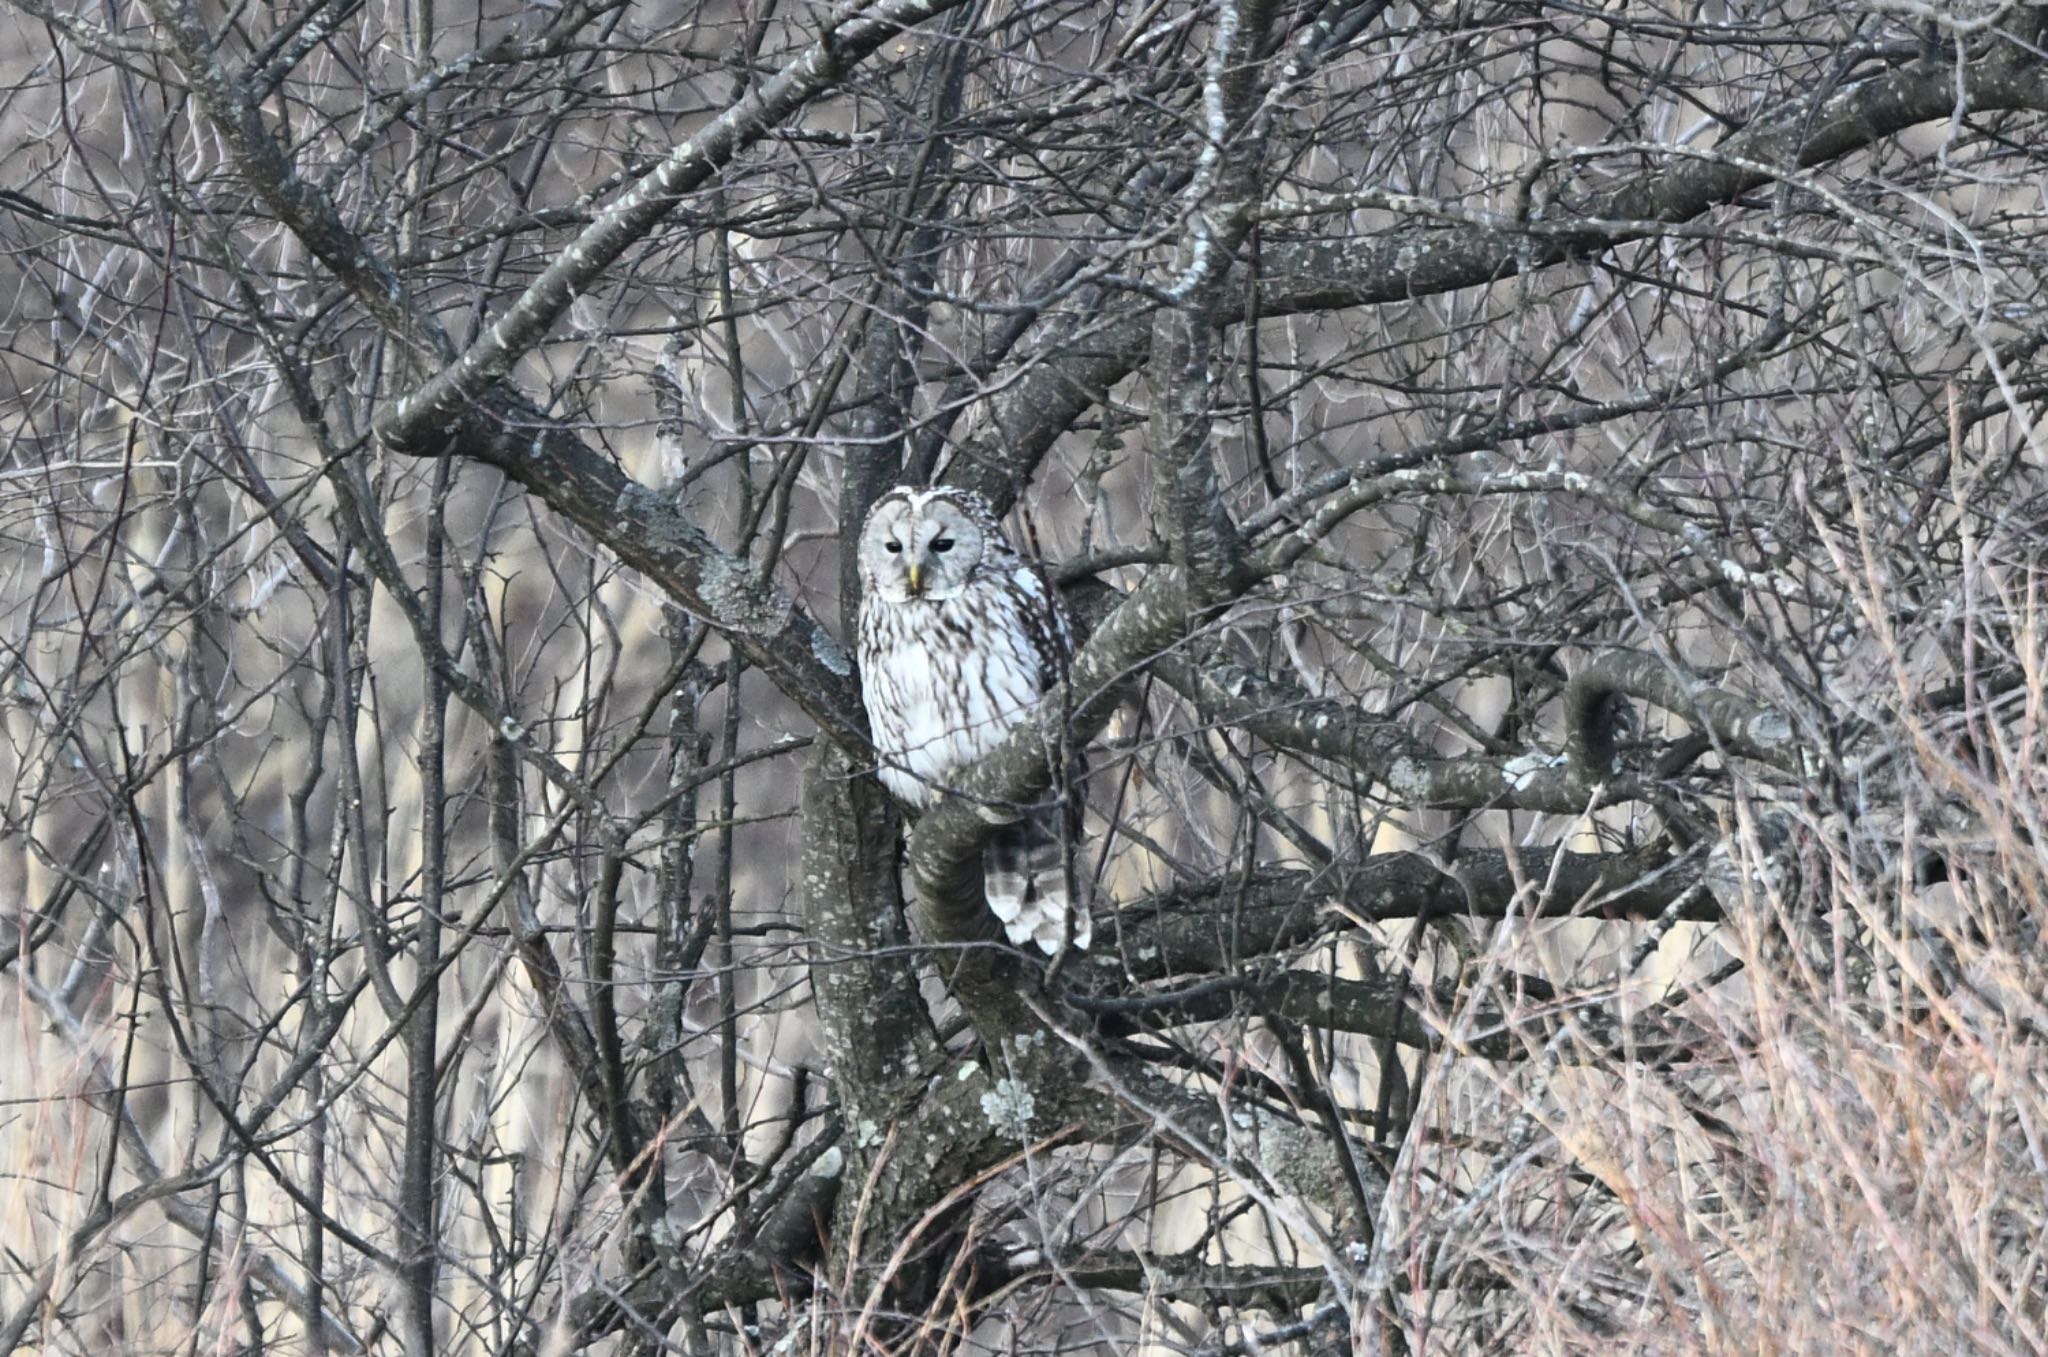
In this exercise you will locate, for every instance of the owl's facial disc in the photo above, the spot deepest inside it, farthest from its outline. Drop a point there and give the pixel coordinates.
(920, 549)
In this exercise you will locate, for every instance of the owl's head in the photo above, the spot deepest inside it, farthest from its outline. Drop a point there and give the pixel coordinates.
(924, 543)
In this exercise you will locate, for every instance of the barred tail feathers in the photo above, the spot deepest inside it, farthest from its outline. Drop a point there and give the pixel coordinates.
(1025, 877)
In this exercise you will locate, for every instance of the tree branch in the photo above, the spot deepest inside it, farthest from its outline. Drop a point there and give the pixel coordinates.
(420, 422)
(1428, 258)
(1737, 725)
(649, 533)
(1213, 926)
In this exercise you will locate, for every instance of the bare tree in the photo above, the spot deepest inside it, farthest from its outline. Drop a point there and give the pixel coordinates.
(1555, 498)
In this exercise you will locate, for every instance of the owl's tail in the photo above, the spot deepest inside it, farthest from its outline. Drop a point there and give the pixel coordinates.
(1024, 874)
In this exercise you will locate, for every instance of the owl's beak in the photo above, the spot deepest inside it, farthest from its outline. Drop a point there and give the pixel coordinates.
(916, 577)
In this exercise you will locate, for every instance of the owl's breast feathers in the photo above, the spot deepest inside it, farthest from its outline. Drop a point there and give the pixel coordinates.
(948, 679)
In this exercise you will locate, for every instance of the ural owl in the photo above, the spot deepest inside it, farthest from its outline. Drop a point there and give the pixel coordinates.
(959, 639)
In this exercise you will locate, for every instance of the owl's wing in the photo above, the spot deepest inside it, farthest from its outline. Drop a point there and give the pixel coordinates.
(1046, 623)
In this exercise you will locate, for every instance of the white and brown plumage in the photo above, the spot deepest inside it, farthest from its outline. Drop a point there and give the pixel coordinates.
(959, 639)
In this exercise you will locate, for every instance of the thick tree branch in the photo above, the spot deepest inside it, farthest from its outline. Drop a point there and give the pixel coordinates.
(1199, 532)
(420, 422)
(1371, 747)
(1737, 725)
(1214, 926)
(1514, 1026)
(862, 973)
(649, 533)
(1428, 258)
(1181, 1277)
(1379, 751)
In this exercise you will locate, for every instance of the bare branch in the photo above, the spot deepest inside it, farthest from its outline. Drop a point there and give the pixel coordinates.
(419, 423)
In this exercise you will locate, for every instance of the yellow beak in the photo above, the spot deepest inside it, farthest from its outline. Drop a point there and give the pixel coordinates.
(917, 577)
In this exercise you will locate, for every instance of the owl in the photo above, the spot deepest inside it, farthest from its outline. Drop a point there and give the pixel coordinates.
(959, 639)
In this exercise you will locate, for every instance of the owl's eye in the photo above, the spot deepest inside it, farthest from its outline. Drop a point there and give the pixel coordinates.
(893, 547)
(943, 544)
